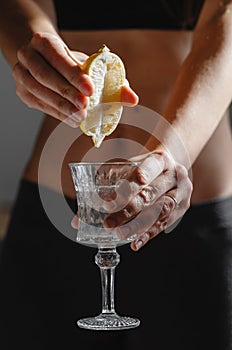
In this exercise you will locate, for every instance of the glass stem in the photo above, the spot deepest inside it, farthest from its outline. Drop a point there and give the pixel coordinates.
(107, 259)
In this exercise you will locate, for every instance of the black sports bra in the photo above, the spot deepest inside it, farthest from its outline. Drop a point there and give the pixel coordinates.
(144, 14)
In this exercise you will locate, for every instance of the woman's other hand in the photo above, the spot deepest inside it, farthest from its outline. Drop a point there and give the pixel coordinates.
(156, 194)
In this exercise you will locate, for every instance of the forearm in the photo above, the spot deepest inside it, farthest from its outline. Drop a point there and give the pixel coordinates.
(202, 92)
(19, 20)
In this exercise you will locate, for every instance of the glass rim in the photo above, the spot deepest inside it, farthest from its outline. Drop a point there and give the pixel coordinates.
(104, 163)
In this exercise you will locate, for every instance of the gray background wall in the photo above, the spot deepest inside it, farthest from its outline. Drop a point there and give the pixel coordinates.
(18, 127)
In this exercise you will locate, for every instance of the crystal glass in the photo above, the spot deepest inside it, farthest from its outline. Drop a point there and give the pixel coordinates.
(96, 184)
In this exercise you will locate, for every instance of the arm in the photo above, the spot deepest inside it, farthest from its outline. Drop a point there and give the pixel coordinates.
(203, 89)
(201, 95)
(48, 75)
(20, 20)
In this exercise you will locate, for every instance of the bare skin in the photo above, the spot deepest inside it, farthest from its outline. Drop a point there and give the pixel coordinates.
(185, 88)
(164, 58)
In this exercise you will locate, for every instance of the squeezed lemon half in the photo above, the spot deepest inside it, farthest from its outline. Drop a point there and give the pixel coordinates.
(105, 109)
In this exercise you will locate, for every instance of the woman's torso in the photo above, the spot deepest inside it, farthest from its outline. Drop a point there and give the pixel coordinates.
(152, 59)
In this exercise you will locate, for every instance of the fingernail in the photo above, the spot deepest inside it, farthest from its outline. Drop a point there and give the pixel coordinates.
(86, 87)
(76, 116)
(71, 122)
(110, 206)
(138, 244)
(80, 103)
(74, 222)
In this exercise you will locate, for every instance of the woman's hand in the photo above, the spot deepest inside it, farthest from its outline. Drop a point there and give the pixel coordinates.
(156, 194)
(48, 77)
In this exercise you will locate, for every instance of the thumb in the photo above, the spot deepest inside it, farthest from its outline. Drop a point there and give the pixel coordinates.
(74, 222)
(128, 96)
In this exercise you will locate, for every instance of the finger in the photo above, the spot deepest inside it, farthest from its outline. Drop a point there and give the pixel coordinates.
(47, 96)
(141, 223)
(47, 76)
(33, 102)
(74, 222)
(145, 237)
(140, 241)
(184, 188)
(128, 207)
(115, 174)
(170, 214)
(145, 198)
(148, 170)
(128, 96)
(159, 226)
(176, 202)
(53, 49)
(165, 182)
(137, 181)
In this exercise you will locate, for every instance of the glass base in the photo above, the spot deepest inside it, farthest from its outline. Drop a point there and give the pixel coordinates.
(108, 322)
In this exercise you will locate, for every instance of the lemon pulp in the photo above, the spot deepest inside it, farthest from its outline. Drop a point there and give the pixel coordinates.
(105, 109)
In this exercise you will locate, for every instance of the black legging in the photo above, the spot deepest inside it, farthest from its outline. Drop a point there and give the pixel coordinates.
(179, 285)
